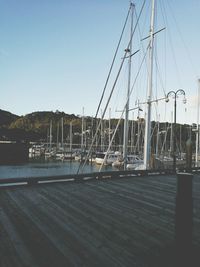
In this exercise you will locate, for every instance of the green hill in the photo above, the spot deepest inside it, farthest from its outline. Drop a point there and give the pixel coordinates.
(6, 118)
(35, 126)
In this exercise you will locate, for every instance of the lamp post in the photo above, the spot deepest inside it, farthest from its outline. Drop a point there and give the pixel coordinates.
(175, 95)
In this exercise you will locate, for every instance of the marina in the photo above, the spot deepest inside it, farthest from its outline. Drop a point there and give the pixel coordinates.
(119, 187)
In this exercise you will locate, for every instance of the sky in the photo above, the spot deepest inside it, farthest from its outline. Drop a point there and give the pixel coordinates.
(56, 55)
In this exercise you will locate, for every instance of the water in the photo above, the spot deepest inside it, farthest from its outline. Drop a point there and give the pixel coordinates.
(45, 168)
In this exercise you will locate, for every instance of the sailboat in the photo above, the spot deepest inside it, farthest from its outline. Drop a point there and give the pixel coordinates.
(147, 140)
(128, 54)
(49, 152)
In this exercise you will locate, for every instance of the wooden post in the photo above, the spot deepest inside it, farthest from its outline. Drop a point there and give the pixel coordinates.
(189, 154)
(183, 224)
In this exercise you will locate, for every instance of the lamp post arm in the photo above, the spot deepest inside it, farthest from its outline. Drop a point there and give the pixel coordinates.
(171, 93)
(175, 94)
(180, 92)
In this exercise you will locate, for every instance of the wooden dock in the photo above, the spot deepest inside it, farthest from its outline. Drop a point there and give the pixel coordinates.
(109, 222)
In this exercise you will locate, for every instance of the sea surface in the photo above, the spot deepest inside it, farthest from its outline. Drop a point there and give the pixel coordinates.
(37, 168)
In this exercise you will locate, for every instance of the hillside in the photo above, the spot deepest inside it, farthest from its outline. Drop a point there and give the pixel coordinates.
(35, 126)
(6, 118)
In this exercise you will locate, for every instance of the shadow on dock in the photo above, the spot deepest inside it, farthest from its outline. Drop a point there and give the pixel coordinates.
(128, 221)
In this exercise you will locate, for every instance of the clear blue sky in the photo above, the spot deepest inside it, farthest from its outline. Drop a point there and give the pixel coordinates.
(55, 55)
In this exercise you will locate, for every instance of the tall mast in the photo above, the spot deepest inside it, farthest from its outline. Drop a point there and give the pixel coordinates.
(157, 138)
(62, 133)
(132, 133)
(102, 130)
(129, 50)
(50, 135)
(197, 130)
(70, 137)
(147, 138)
(109, 126)
(82, 129)
(57, 136)
(171, 135)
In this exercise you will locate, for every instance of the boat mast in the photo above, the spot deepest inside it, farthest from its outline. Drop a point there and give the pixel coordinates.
(129, 51)
(62, 133)
(50, 136)
(197, 129)
(102, 137)
(109, 126)
(157, 137)
(82, 129)
(70, 137)
(132, 133)
(57, 136)
(171, 135)
(147, 138)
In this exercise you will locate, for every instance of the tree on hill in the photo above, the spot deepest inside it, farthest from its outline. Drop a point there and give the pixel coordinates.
(6, 118)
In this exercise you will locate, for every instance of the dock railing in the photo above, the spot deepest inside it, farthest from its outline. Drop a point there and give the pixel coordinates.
(4, 182)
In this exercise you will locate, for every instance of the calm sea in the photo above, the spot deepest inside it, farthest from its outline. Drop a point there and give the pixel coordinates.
(39, 168)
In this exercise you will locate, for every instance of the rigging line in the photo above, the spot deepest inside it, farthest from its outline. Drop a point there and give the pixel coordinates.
(109, 146)
(112, 90)
(103, 114)
(165, 62)
(131, 5)
(165, 111)
(144, 57)
(152, 133)
(171, 46)
(183, 41)
(120, 116)
(154, 83)
(159, 74)
(167, 127)
(123, 110)
(165, 49)
(156, 73)
(143, 50)
(113, 61)
(142, 39)
(145, 21)
(154, 56)
(137, 22)
(110, 70)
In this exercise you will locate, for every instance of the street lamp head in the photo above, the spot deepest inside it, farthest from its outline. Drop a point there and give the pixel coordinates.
(184, 100)
(167, 99)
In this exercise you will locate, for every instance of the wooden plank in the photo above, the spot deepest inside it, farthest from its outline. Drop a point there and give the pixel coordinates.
(112, 222)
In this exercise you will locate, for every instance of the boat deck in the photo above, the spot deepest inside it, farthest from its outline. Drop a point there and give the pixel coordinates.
(119, 222)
